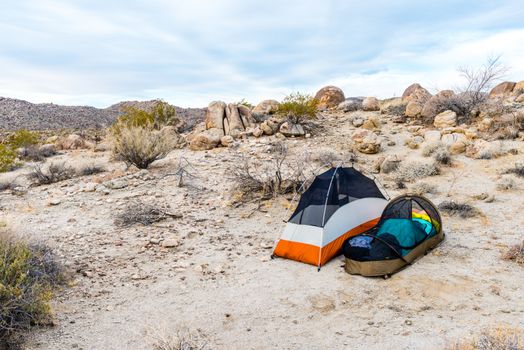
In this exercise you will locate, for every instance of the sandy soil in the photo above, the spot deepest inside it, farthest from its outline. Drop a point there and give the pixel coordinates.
(221, 281)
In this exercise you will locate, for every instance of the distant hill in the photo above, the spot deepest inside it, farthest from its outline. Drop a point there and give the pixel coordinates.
(19, 114)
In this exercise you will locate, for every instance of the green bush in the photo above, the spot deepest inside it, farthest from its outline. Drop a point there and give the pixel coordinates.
(160, 115)
(23, 138)
(7, 158)
(297, 107)
(28, 276)
(243, 102)
(141, 146)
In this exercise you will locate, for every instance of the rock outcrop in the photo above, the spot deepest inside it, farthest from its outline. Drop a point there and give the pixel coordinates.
(370, 104)
(435, 104)
(503, 89)
(366, 141)
(415, 92)
(445, 119)
(222, 120)
(266, 107)
(329, 97)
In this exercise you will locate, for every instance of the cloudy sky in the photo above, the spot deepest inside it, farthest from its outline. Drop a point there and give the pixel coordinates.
(189, 53)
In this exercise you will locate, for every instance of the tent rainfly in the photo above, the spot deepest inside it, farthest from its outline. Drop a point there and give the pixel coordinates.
(340, 203)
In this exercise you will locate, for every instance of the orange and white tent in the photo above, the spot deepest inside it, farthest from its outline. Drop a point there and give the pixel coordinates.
(340, 203)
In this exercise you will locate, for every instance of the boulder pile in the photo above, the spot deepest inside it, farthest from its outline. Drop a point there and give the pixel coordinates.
(223, 123)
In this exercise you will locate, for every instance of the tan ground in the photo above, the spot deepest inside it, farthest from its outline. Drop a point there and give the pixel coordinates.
(221, 281)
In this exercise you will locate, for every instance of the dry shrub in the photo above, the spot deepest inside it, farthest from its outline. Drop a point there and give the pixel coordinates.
(141, 213)
(422, 188)
(181, 340)
(505, 184)
(515, 253)
(327, 157)
(439, 151)
(29, 273)
(463, 210)
(431, 147)
(268, 179)
(35, 153)
(91, 169)
(55, 172)
(141, 146)
(414, 170)
(7, 184)
(518, 170)
(500, 338)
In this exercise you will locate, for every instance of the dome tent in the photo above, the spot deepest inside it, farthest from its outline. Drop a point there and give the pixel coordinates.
(409, 227)
(340, 203)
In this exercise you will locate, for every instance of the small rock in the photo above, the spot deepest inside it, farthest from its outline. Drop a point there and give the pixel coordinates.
(170, 243)
(54, 202)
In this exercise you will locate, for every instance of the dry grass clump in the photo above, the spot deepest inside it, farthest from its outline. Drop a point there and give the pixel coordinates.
(7, 184)
(518, 170)
(422, 188)
(55, 172)
(268, 179)
(414, 170)
(439, 152)
(515, 253)
(181, 340)
(327, 158)
(29, 273)
(141, 146)
(91, 169)
(500, 338)
(463, 210)
(141, 213)
(35, 153)
(505, 184)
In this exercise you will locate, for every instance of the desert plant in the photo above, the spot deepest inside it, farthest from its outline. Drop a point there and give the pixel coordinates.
(271, 178)
(499, 338)
(422, 188)
(28, 275)
(91, 169)
(139, 212)
(515, 253)
(23, 138)
(518, 169)
(181, 340)
(160, 115)
(505, 184)
(141, 146)
(55, 172)
(463, 210)
(34, 153)
(7, 158)
(478, 83)
(297, 107)
(442, 156)
(7, 184)
(414, 170)
(243, 102)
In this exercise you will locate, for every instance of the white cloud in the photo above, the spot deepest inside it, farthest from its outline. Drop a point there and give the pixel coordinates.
(190, 53)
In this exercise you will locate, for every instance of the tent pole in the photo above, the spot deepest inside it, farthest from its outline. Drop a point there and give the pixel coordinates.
(324, 217)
